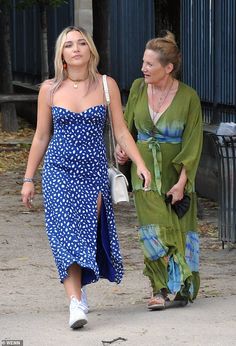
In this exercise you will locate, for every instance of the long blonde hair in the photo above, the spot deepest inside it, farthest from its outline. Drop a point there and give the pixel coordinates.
(167, 49)
(60, 72)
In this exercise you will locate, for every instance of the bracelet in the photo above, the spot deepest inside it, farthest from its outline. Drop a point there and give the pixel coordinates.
(28, 180)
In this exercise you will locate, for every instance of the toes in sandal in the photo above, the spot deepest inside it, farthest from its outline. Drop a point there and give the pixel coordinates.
(157, 302)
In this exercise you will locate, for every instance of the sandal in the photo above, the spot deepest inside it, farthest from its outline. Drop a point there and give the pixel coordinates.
(158, 302)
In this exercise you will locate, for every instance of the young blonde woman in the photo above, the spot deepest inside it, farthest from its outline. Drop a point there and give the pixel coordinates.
(78, 208)
(166, 115)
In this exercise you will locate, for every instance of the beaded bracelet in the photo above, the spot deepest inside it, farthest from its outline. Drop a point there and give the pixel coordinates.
(28, 180)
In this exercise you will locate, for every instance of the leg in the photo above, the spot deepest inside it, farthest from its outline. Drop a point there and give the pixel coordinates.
(72, 286)
(72, 283)
(83, 299)
(156, 271)
(99, 204)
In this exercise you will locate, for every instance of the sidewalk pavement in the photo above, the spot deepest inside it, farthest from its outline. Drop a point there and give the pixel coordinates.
(34, 307)
(210, 322)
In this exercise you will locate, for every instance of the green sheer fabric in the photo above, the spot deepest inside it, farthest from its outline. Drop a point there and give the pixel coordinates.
(174, 141)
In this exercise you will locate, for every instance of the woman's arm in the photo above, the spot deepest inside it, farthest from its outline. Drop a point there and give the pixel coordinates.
(39, 143)
(122, 134)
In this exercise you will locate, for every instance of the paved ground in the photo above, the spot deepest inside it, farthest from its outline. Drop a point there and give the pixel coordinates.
(33, 304)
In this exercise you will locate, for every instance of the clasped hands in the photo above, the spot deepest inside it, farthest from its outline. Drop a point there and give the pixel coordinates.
(121, 155)
(142, 171)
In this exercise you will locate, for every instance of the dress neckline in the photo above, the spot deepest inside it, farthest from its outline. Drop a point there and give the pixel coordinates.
(162, 113)
(84, 111)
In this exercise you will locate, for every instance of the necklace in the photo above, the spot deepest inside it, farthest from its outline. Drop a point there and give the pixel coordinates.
(161, 100)
(76, 81)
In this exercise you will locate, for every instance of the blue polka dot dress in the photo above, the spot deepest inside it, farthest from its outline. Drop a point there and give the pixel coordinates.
(75, 172)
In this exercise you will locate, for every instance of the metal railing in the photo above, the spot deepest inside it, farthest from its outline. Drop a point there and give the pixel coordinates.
(225, 147)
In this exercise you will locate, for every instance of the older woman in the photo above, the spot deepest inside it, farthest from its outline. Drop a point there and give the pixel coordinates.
(78, 208)
(166, 115)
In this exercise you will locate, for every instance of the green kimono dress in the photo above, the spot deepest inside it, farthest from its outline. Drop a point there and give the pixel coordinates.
(170, 245)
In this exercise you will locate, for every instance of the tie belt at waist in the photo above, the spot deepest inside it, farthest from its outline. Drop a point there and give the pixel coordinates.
(154, 146)
(158, 137)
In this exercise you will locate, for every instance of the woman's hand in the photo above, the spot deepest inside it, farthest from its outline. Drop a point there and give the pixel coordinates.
(27, 194)
(142, 171)
(145, 175)
(177, 192)
(121, 155)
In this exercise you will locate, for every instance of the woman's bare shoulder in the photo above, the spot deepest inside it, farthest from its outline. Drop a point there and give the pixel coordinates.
(47, 84)
(112, 84)
(45, 91)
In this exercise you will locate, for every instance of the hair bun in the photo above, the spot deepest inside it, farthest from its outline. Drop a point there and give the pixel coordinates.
(167, 36)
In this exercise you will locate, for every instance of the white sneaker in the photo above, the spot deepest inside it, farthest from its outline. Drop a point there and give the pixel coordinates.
(84, 300)
(77, 316)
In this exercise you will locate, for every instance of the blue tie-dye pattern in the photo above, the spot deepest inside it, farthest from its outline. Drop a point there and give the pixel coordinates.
(164, 133)
(154, 249)
(174, 276)
(192, 251)
(174, 130)
(159, 137)
(152, 246)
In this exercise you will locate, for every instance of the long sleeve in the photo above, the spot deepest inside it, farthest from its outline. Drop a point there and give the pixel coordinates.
(190, 153)
(130, 106)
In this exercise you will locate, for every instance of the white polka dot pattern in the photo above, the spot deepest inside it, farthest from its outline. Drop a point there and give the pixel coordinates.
(75, 172)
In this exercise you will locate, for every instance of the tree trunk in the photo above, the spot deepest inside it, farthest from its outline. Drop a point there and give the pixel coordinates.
(9, 119)
(44, 43)
(8, 111)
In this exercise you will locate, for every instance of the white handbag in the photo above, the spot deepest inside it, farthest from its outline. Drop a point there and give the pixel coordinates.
(119, 184)
(118, 181)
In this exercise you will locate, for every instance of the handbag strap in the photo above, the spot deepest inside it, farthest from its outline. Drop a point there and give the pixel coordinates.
(108, 101)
